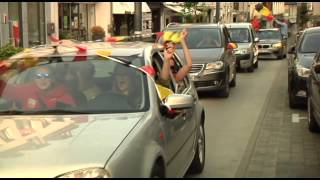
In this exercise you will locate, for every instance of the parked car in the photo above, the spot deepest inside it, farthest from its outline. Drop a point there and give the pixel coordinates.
(214, 62)
(314, 95)
(299, 65)
(247, 51)
(271, 44)
(128, 126)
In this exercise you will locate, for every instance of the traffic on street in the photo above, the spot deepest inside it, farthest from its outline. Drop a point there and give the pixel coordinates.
(160, 90)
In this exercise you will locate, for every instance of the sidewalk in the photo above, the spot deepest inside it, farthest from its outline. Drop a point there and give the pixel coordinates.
(281, 147)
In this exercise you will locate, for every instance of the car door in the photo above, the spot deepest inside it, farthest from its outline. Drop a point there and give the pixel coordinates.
(315, 86)
(229, 53)
(179, 130)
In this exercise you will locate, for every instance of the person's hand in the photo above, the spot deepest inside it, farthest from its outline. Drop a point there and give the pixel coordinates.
(184, 33)
(167, 56)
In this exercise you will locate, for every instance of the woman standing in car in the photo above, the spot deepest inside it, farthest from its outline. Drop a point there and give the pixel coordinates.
(169, 62)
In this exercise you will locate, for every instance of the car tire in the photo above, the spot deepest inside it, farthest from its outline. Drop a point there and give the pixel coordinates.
(251, 68)
(234, 80)
(198, 162)
(292, 100)
(256, 64)
(157, 171)
(312, 124)
(226, 89)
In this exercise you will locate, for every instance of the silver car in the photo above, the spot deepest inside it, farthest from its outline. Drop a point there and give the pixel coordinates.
(247, 51)
(128, 126)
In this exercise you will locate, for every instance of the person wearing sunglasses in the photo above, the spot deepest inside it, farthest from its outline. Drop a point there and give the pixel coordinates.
(169, 61)
(42, 93)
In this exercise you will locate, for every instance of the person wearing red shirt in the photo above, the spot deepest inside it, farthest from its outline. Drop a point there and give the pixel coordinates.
(42, 93)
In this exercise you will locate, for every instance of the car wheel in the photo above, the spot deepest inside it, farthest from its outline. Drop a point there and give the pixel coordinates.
(157, 171)
(233, 82)
(198, 162)
(256, 64)
(226, 90)
(251, 68)
(292, 100)
(312, 124)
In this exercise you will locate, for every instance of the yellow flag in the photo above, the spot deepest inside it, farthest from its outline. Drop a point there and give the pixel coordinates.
(172, 36)
(265, 11)
(104, 53)
(163, 91)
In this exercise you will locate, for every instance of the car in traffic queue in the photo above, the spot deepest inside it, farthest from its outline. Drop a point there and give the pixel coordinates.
(141, 129)
(272, 45)
(247, 51)
(299, 64)
(313, 84)
(214, 62)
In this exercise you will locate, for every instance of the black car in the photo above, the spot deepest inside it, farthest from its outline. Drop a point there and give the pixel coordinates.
(299, 65)
(314, 95)
(214, 62)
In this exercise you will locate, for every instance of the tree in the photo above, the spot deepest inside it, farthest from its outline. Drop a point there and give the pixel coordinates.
(190, 11)
(303, 15)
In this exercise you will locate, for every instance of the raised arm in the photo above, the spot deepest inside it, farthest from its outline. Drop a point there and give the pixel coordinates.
(187, 55)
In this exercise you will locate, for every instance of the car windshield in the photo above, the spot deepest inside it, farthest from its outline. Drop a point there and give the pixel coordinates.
(269, 35)
(90, 86)
(310, 43)
(201, 38)
(240, 35)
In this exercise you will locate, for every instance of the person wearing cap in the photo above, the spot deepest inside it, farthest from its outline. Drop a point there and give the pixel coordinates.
(169, 61)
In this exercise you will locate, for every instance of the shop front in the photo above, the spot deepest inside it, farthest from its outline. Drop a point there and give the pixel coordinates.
(75, 20)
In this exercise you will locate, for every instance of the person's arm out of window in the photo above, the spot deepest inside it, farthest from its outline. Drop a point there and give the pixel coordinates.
(187, 55)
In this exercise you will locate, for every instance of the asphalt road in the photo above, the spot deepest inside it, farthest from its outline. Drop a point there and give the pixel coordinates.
(231, 122)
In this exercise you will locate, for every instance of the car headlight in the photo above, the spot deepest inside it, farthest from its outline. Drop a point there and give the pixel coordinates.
(215, 65)
(277, 45)
(302, 71)
(87, 173)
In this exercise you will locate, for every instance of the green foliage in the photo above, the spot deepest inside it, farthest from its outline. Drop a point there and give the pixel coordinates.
(304, 18)
(190, 9)
(8, 51)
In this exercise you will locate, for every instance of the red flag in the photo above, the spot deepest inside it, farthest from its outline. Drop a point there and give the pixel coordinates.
(270, 17)
(54, 39)
(149, 69)
(256, 24)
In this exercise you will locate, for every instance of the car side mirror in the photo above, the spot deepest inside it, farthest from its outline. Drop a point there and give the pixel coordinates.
(256, 40)
(292, 50)
(179, 101)
(232, 46)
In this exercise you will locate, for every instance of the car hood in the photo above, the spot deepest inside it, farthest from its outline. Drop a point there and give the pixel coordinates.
(203, 55)
(306, 59)
(63, 143)
(269, 41)
(243, 45)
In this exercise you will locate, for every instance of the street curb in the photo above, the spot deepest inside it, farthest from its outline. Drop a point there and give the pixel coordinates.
(244, 163)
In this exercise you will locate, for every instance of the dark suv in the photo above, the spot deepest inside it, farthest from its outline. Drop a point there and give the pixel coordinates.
(299, 64)
(214, 61)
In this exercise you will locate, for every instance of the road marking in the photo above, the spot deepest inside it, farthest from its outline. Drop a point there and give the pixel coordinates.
(296, 118)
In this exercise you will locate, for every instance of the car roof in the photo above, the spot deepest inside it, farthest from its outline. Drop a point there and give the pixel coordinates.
(312, 30)
(195, 25)
(270, 29)
(117, 49)
(239, 25)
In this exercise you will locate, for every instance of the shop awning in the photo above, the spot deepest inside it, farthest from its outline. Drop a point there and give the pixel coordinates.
(127, 7)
